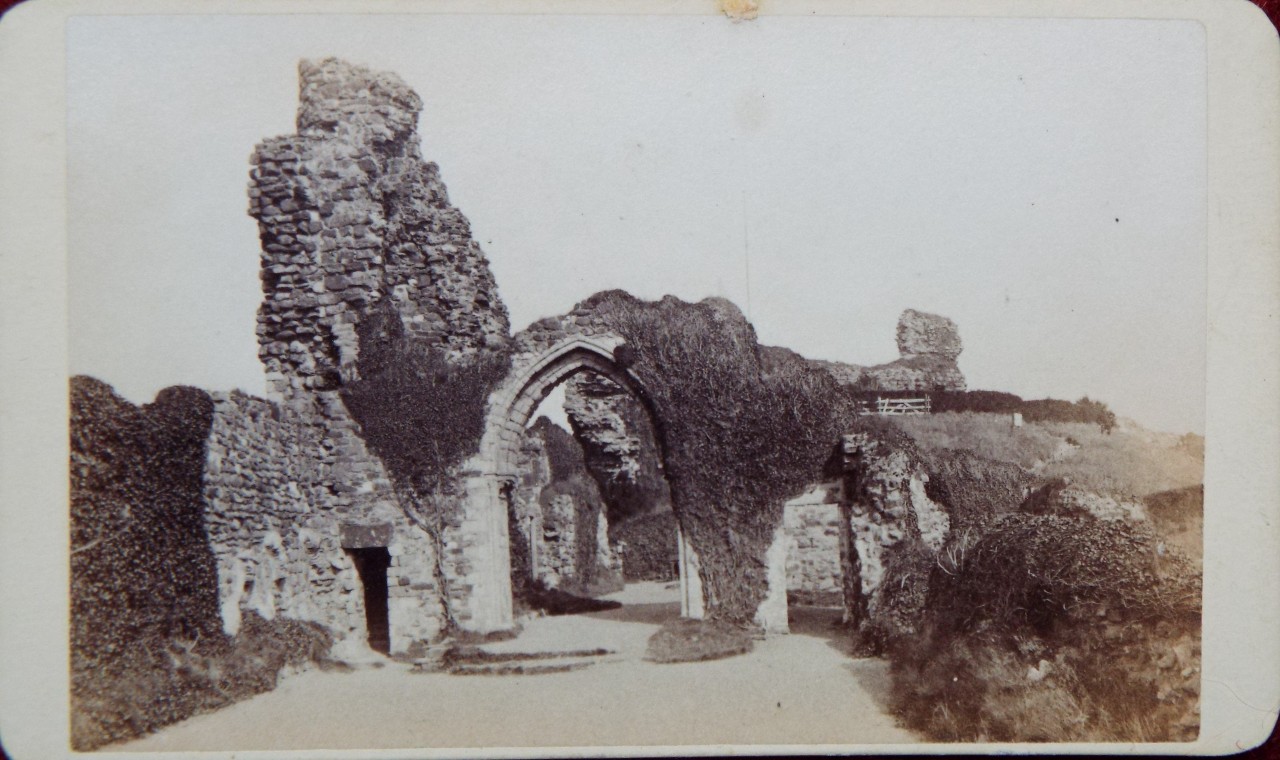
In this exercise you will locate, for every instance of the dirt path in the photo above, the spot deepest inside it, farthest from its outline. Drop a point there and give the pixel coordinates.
(797, 689)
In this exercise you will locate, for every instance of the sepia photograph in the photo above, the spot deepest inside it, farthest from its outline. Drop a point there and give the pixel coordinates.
(560, 382)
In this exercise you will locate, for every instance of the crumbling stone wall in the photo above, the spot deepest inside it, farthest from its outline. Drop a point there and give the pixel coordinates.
(928, 346)
(619, 444)
(888, 511)
(815, 572)
(147, 640)
(349, 214)
(355, 225)
(560, 515)
(286, 496)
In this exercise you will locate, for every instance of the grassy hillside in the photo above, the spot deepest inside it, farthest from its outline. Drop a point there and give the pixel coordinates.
(1128, 461)
(1045, 621)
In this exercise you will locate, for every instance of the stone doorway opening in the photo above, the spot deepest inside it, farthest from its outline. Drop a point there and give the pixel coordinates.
(371, 567)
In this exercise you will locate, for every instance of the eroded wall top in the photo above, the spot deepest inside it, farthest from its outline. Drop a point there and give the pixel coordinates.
(349, 216)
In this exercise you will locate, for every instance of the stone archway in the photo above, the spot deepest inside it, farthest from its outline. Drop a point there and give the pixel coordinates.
(477, 551)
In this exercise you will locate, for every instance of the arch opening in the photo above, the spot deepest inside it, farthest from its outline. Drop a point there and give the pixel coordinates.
(495, 481)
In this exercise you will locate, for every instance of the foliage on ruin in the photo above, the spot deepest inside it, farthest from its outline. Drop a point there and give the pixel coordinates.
(1055, 628)
(649, 553)
(421, 410)
(147, 647)
(742, 430)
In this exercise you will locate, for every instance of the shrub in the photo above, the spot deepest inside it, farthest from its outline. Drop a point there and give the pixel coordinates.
(157, 681)
(1055, 629)
(1084, 410)
(687, 640)
(973, 489)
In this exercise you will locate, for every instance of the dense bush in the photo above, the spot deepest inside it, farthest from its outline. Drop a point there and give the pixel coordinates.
(1035, 623)
(147, 647)
(1038, 410)
(1055, 629)
(743, 428)
(973, 489)
(650, 551)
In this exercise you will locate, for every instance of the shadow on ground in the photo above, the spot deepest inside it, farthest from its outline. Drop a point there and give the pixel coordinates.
(825, 623)
(654, 614)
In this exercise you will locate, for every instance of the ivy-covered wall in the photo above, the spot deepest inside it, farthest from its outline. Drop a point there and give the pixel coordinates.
(148, 643)
(743, 428)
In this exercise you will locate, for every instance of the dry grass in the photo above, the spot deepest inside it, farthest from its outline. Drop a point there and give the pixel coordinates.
(991, 436)
(1129, 461)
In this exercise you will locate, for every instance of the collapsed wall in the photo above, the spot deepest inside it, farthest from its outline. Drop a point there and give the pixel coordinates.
(354, 225)
(288, 513)
(559, 532)
(928, 346)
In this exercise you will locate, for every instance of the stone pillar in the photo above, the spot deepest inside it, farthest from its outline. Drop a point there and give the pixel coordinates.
(479, 556)
(690, 580)
(771, 615)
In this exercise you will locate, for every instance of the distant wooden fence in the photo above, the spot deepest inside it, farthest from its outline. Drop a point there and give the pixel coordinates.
(894, 406)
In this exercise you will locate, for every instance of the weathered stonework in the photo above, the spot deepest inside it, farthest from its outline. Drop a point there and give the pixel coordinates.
(360, 244)
(561, 524)
(619, 445)
(349, 214)
(928, 346)
(887, 508)
(816, 538)
(279, 494)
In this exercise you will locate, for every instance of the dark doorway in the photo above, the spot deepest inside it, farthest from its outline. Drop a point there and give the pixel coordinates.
(371, 565)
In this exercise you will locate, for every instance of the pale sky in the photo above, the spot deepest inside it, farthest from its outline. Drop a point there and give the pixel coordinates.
(1041, 182)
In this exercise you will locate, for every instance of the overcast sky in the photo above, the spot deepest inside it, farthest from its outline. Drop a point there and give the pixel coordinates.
(1042, 183)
